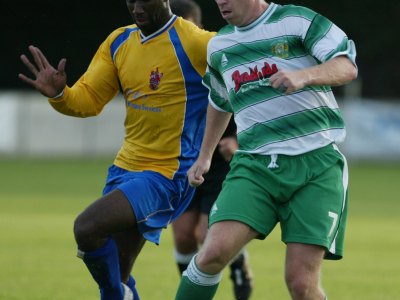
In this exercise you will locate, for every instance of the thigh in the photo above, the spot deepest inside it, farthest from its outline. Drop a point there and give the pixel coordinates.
(110, 214)
(245, 198)
(184, 231)
(317, 212)
(303, 261)
(223, 242)
(201, 228)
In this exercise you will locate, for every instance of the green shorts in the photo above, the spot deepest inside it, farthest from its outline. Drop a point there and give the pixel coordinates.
(306, 194)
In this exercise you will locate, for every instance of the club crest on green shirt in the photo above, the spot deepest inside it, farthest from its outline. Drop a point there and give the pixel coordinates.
(280, 49)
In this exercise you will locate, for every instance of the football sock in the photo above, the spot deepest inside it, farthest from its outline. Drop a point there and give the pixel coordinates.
(183, 260)
(132, 285)
(103, 264)
(197, 285)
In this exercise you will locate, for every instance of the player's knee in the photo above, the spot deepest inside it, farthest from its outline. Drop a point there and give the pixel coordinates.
(212, 259)
(83, 230)
(299, 286)
(183, 237)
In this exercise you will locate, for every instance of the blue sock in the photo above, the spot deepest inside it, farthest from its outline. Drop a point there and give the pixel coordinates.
(103, 264)
(132, 285)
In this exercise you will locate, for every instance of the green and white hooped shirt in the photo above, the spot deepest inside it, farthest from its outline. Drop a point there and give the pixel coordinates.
(240, 62)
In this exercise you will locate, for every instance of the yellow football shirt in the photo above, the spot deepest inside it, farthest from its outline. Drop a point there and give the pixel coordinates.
(160, 76)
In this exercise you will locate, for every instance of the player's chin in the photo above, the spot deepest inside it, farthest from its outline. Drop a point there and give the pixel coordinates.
(142, 23)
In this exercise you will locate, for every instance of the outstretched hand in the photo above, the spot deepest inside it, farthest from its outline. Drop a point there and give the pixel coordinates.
(48, 81)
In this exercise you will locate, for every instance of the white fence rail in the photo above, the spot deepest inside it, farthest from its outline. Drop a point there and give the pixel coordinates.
(29, 127)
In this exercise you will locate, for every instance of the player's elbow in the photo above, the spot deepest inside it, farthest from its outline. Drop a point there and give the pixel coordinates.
(352, 73)
(348, 74)
(350, 70)
(344, 69)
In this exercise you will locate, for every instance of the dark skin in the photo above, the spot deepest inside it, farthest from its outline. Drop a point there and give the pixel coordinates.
(112, 214)
(149, 15)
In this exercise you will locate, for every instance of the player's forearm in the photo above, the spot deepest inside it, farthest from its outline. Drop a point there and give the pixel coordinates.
(82, 100)
(216, 123)
(337, 71)
(74, 104)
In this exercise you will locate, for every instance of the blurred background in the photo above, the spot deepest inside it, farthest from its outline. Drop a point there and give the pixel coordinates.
(74, 30)
(52, 166)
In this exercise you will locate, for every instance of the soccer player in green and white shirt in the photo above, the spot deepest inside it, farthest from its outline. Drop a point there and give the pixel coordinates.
(273, 67)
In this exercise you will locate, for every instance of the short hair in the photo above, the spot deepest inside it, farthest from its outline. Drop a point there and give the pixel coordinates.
(183, 8)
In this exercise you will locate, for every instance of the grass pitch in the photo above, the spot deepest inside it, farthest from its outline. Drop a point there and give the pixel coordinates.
(39, 201)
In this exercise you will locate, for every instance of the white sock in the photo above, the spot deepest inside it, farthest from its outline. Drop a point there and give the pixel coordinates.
(195, 275)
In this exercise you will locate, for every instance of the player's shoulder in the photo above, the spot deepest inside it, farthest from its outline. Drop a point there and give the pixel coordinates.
(192, 31)
(122, 32)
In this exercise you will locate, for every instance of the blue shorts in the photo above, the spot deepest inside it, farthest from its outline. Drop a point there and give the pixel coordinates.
(156, 200)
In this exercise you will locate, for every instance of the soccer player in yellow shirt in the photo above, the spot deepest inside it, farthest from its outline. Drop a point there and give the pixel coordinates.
(158, 63)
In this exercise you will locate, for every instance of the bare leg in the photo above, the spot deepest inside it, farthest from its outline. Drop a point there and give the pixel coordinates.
(223, 242)
(201, 229)
(184, 232)
(241, 274)
(108, 215)
(303, 270)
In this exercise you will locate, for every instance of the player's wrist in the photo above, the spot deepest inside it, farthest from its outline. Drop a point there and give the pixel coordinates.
(205, 157)
(59, 95)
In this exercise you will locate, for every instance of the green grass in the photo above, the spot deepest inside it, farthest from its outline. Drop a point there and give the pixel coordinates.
(40, 199)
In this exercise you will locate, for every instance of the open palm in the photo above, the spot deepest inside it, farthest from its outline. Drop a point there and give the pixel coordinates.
(48, 80)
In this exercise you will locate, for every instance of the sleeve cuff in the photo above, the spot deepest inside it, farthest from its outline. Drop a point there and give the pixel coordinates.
(59, 95)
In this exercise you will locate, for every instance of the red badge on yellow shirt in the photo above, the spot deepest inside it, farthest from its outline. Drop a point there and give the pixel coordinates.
(155, 78)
